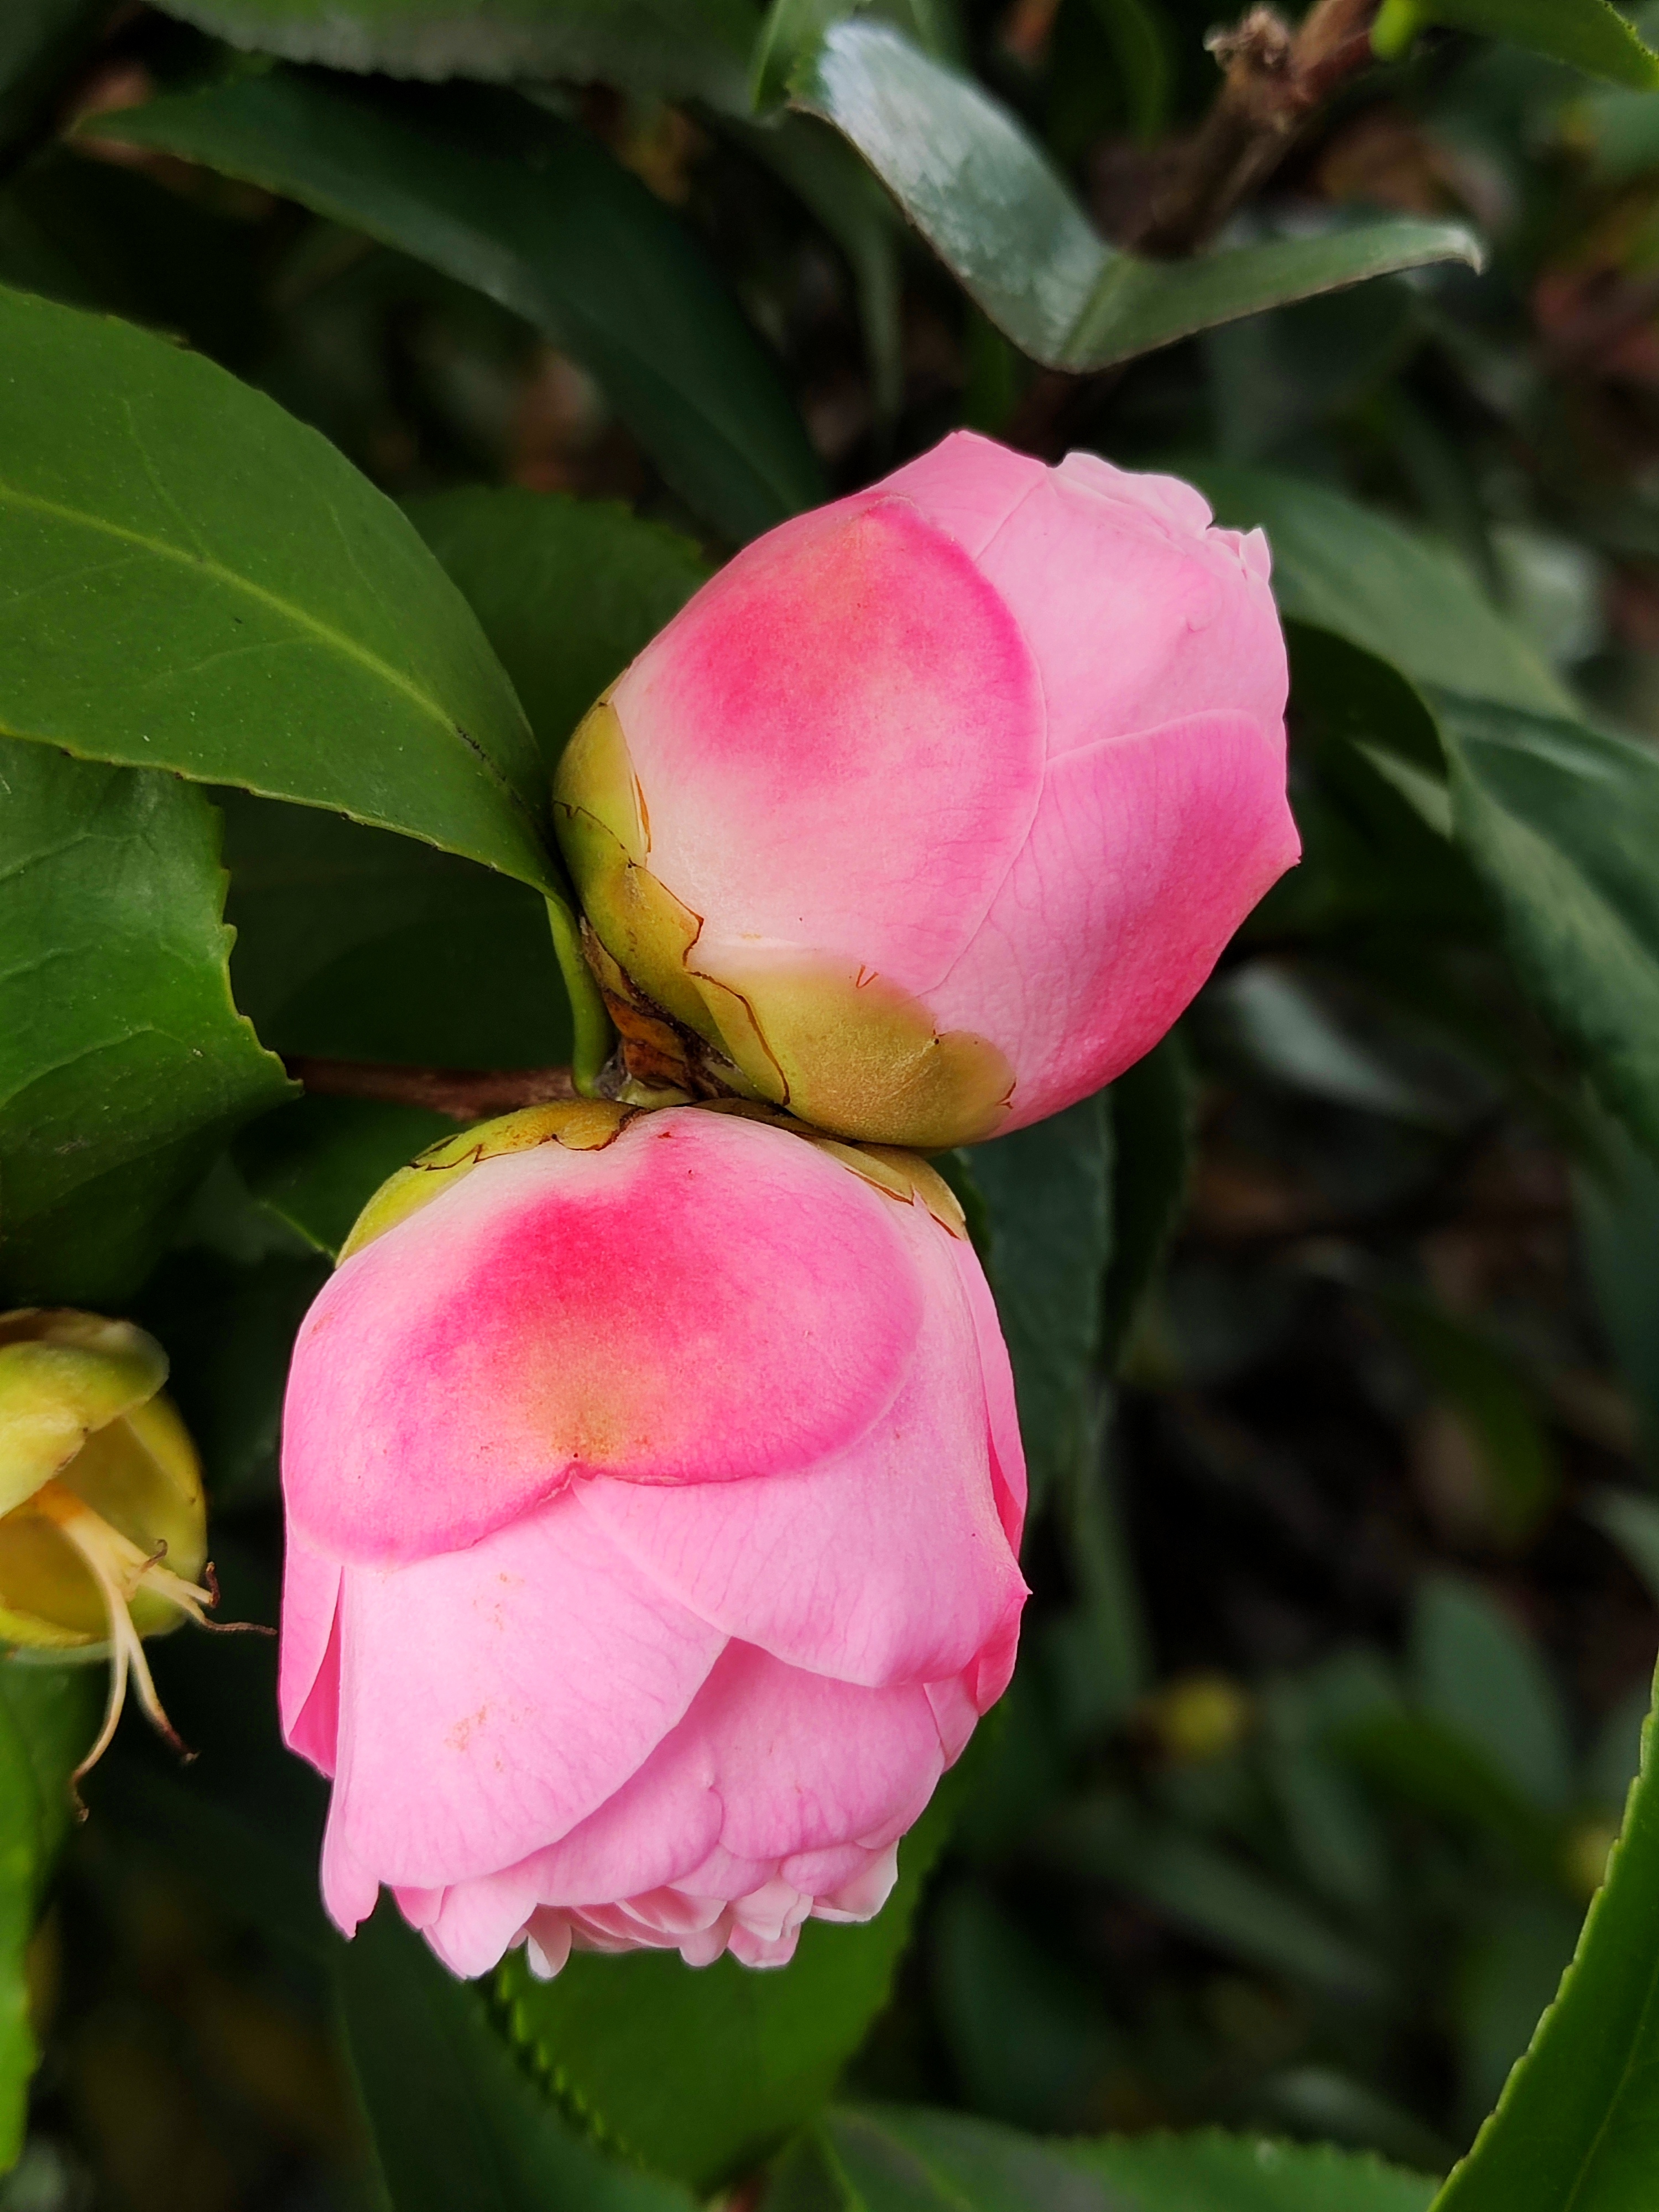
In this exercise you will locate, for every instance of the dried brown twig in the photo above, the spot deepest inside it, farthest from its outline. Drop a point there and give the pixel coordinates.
(465, 1094)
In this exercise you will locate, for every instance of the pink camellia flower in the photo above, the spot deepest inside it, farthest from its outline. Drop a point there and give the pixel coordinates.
(934, 809)
(654, 1497)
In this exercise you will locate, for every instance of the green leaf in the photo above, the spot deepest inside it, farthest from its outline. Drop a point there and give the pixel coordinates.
(1586, 34)
(1422, 1760)
(1139, 34)
(1512, 1969)
(352, 945)
(1343, 568)
(829, 179)
(48, 1717)
(674, 48)
(124, 1063)
(1477, 1670)
(793, 30)
(1631, 1521)
(190, 579)
(1027, 2032)
(1578, 2124)
(1007, 225)
(319, 1163)
(532, 211)
(894, 2159)
(1616, 1197)
(567, 591)
(1212, 1894)
(1562, 823)
(701, 2074)
(454, 2122)
(1152, 1106)
(1048, 1199)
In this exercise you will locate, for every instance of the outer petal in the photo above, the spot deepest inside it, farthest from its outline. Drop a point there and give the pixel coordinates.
(491, 1698)
(886, 1564)
(838, 745)
(308, 1667)
(1146, 855)
(768, 1762)
(1002, 1414)
(704, 1300)
(1137, 613)
(967, 486)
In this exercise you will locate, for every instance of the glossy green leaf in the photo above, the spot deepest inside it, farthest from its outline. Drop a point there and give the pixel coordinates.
(674, 48)
(1343, 568)
(1047, 1200)
(792, 30)
(453, 2120)
(352, 945)
(702, 2074)
(124, 1063)
(1007, 225)
(895, 2159)
(48, 1717)
(1586, 34)
(319, 1163)
(190, 579)
(567, 591)
(1579, 2124)
(1511, 1969)
(532, 211)
(1562, 823)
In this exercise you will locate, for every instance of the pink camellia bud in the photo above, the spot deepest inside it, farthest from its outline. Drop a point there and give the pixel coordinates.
(654, 1495)
(934, 808)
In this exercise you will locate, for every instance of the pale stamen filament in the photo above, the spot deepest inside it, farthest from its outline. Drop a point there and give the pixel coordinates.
(120, 1569)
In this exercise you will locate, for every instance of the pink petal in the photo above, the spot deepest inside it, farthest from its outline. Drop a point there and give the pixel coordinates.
(955, 1715)
(491, 1698)
(1001, 1412)
(886, 1564)
(862, 1895)
(308, 1666)
(1147, 853)
(474, 1923)
(967, 486)
(704, 1300)
(839, 744)
(768, 1762)
(1136, 616)
(1178, 504)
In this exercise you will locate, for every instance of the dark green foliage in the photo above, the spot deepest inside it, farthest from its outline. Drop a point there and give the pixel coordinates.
(407, 368)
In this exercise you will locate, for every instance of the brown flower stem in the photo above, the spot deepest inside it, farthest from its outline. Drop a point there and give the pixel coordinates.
(465, 1094)
(1274, 81)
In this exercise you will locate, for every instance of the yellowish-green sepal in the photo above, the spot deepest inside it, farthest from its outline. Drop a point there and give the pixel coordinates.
(581, 1124)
